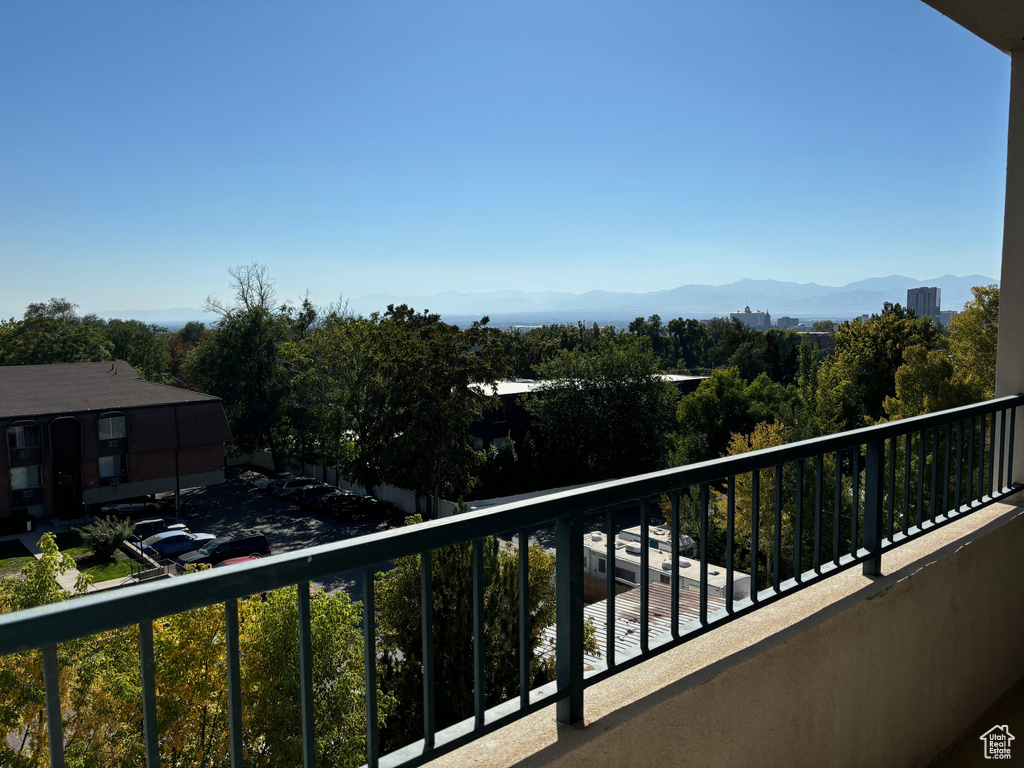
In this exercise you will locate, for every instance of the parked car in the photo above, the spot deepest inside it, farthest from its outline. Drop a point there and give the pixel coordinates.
(226, 547)
(352, 506)
(145, 528)
(173, 543)
(286, 487)
(265, 483)
(132, 508)
(310, 494)
(237, 560)
(332, 498)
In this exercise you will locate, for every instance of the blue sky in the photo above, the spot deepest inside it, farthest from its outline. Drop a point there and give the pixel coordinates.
(411, 147)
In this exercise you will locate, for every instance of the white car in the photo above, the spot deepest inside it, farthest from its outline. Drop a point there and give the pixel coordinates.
(288, 486)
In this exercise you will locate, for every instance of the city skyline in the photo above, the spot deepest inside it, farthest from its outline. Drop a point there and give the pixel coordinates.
(570, 147)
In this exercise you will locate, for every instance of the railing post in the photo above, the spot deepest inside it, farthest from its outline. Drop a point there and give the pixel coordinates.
(54, 719)
(569, 616)
(874, 499)
(234, 682)
(147, 674)
(306, 675)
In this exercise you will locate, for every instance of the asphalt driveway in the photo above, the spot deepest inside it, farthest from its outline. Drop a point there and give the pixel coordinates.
(235, 506)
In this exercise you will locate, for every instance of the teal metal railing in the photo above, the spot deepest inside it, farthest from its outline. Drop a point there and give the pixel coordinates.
(797, 513)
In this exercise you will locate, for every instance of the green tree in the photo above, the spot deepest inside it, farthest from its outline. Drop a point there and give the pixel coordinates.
(691, 342)
(653, 329)
(767, 435)
(727, 336)
(724, 405)
(602, 414)
(973, 338)
(824, 326)
(400, 635)
(270, 674)
(144, 347)
(51, 332)
(926, 382)
(438, 379)
(101, 687)
(22, 693)
(242, 364)
(181, 343)
(856, 379)
(392, 397)
(105, 535)
(774, 353)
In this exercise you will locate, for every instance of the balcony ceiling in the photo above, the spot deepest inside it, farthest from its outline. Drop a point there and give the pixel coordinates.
(999, 22)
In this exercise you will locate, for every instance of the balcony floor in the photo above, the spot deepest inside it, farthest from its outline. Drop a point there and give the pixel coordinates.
(967, 750)
(889, 668)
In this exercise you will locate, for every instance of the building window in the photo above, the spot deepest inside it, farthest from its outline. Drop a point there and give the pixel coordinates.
(478, 443)
(23, 478)
(625, 575)
(112, 466)
(665, 579)
(498, 442)
(601, 567)
(112, 427)
(22, 438)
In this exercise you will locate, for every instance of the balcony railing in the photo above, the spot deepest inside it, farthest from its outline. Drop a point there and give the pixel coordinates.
(792, 514)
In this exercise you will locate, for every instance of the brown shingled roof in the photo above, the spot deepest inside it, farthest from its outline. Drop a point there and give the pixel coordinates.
(36, 390)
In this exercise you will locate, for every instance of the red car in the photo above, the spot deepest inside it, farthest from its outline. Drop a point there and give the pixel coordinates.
(237, 560)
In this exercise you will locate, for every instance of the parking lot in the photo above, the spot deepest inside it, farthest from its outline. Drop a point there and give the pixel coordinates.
(234, 506)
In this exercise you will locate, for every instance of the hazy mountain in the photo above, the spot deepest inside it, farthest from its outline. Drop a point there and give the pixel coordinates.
(807, 300)
(775, 296)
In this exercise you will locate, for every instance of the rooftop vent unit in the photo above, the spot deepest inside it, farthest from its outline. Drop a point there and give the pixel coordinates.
(633, 548)
(595, 536)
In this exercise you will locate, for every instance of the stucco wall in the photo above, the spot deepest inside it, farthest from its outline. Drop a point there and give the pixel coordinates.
(852, 671)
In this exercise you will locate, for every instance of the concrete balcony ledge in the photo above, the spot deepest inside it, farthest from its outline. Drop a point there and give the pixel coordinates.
(851, 671)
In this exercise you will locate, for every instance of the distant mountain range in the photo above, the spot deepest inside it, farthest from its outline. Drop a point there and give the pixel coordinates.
(778, 297)
(804, 300)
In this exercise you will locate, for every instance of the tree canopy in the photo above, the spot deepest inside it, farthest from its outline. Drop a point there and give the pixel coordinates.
(101, 688)
(602, 413)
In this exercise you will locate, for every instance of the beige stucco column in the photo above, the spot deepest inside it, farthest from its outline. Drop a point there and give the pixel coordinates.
(1010, 362)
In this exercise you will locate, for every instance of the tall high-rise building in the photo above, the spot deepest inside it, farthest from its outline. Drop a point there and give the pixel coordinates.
(926, 302)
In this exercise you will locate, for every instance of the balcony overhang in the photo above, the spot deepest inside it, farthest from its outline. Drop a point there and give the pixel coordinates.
(997, 22)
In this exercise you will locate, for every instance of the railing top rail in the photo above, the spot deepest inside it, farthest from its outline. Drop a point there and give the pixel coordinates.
(103, 611)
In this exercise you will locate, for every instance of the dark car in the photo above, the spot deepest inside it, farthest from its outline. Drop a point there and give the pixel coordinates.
(225, 547)
(132, 508)
(332, 499)
(311, 494)
(173, 543)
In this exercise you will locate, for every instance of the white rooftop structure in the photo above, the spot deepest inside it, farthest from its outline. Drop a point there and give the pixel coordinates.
(628, 548)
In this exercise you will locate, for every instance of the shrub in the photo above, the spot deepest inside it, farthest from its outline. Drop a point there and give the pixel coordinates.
(105, 535)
